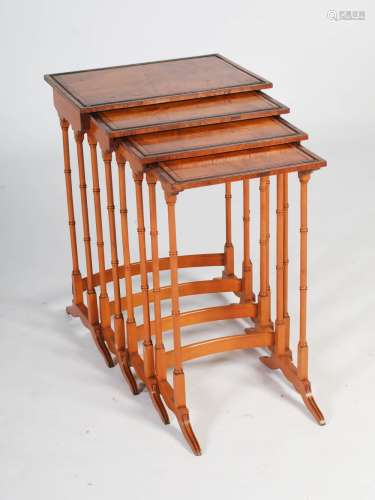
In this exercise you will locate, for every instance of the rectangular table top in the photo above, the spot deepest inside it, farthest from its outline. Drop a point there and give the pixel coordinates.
(193, 112)
(216, 169)
(211, 139)
(154, 82)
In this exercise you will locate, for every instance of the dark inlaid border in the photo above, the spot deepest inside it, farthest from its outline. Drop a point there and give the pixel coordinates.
(314, 163)
(261, 84)
(114, 132)
(183, 153)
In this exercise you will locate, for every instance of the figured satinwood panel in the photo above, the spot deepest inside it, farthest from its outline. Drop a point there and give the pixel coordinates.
(211, 139)
(195, 172)
(194, 112)
(155, 82)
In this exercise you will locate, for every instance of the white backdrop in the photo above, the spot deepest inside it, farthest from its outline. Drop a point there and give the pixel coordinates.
(69, 428)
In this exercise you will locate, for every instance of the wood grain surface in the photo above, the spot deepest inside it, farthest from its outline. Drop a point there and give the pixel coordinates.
(155, 82)
(194, 112)
(211, 139)
(216, 169)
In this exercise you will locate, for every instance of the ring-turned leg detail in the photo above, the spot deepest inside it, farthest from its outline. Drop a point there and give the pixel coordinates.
(92, 305)
(76, 274)
(179, 394)
(263, 321)
(281, 359)
(247, 267)
(148, 351)
(228, 247)
(285, 266)
(160, 358)
(105, 320)
(120, 346)
(77, 308)
(131, 335)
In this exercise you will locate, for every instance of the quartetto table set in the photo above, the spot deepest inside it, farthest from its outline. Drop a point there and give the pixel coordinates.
(188, 124)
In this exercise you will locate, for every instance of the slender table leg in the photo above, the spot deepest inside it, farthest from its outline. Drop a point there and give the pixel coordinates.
(131, 333)
(121, 351)
(228, 248)
(268, 239)
(160, 359)
(281, 358)
(92, 305)
(285, 268)
(105, 313)
(179, 395)
(148, 351)
(247, 269)
(264, 313)
(76, 274)
(279, 324)
(302, 363)
(91, 294)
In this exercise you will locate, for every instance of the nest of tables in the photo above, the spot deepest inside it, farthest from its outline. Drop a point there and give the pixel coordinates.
(186, 124)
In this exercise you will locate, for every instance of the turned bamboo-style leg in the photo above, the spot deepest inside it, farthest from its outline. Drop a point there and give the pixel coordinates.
(247, 269)
(281, 358)
(160, 359)
(280, 341)
(131, 333)
(121, 351)
(105, 314)
(228, 248)
(148, 351)
(302, 362)
(92, 321)
(179, 395)
(76, 274)
(285, 267)
(77, 308)
(268, 239)
(264, 313)
(92, 305)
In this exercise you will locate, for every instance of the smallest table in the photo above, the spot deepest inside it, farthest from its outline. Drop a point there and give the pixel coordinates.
(176, 176)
